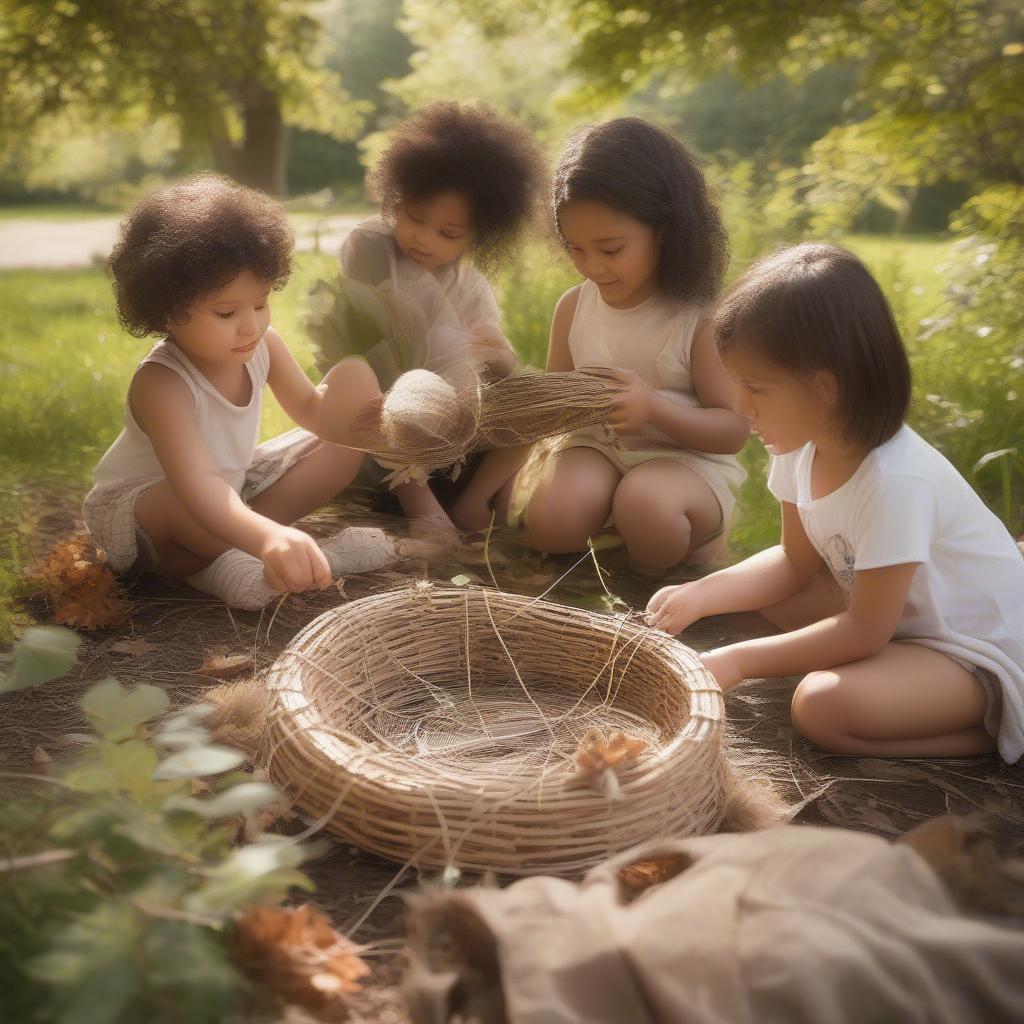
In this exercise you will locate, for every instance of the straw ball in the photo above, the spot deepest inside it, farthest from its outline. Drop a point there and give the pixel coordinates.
(442, 725)
(426, 423)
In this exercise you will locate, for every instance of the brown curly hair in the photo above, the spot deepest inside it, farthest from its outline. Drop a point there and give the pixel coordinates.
(189, 239)
(489, 159)
(643, 171)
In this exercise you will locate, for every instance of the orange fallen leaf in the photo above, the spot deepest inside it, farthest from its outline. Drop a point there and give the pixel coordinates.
(84, 591)
(297, 954)
(642, 874)
(598, 752)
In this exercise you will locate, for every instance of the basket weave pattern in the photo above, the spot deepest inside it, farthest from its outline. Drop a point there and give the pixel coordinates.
(438, 726)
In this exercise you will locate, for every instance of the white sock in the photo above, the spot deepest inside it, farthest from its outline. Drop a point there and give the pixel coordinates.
(237, 579)
(359, 549)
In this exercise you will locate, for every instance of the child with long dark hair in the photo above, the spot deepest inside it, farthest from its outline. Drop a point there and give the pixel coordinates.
(633, 212)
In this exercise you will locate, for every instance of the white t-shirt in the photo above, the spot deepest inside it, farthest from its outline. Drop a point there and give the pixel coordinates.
(907, 503)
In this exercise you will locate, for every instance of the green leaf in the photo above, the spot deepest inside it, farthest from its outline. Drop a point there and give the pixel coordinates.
(259, 871)
(187, 718)
(464, 580)
(198, 761)
(116, 711)
(42, 654)
(182, 737)
(91, 969)
(132, 764)
(241, 799)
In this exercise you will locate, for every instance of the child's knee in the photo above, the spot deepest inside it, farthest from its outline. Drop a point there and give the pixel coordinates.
(816, 708)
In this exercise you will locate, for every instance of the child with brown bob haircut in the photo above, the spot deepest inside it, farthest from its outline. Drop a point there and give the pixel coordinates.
(185, 481)
(901, 595)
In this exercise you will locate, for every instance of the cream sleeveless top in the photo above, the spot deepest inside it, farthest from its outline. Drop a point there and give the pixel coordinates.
(653, 339)
(230, 432)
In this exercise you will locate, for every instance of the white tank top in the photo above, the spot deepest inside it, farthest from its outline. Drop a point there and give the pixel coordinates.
(230, 432)
(653, 339)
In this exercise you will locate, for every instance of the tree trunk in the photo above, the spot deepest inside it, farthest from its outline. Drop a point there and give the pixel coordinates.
(261, 159)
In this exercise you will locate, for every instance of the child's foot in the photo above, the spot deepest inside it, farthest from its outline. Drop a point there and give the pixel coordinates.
(237, 579)
(431, 536)
(359, 549)
(471, 514)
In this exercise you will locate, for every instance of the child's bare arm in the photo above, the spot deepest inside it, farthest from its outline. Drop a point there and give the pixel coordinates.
(559, 356)
(876, 604)
(329, 410)
(757, 582)
(162, 406)
(712, 426)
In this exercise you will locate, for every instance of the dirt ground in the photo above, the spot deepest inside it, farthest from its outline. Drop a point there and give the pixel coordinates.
(358, 890)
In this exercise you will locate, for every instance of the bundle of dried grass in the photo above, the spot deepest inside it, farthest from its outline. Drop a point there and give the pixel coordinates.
(441, 726)
(532, 406)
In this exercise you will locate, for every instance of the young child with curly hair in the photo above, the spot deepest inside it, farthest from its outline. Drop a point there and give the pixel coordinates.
(185, 480)
(456, 185)
(632, 209)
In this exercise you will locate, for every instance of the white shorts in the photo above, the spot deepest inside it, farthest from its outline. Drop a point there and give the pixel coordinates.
(109, 511)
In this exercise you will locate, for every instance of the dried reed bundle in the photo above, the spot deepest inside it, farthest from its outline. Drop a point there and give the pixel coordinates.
(532, 406)
(441, 726)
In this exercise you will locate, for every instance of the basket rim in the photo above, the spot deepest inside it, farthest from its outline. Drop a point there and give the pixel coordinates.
(366, 760)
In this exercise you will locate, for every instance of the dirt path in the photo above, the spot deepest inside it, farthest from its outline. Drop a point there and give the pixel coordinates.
(70, 244)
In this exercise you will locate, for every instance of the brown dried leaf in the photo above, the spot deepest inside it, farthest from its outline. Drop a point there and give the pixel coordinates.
(90, 611)
(134, 646)
(637, 877)
(82, 587)
(597, 752)
(225, 666)
(297, 954)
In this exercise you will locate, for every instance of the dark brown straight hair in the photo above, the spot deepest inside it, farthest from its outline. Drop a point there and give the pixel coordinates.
(641, 170)
(816, 307)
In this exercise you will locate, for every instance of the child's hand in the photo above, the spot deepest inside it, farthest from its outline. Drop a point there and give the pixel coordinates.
(724, 664)
(490, 346)
(635, 407)
(293, 561)
(672, 609)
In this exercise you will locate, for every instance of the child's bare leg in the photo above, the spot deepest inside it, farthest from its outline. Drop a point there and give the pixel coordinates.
(905, 701)
(472, 509)
(309, 484)
(664, 512)
(572, 503)
(421, 506)
(184, 547)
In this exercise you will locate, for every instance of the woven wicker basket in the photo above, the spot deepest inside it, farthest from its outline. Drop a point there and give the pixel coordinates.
(438, 726)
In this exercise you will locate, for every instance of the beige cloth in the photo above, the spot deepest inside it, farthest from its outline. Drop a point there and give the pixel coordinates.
(794, 925)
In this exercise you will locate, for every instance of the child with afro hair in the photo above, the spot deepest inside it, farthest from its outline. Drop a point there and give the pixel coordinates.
(457, 186)
(185, 487)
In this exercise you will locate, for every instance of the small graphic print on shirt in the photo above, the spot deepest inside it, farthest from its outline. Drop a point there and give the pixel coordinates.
(840, 559)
